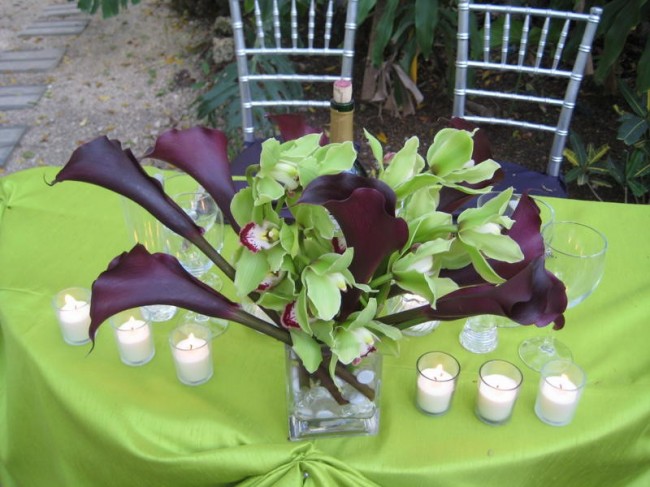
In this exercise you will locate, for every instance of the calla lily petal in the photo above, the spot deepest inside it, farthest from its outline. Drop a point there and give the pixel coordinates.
(203, 154)
(138, 278)
(364, 209)
(337, 187)
(104, 163)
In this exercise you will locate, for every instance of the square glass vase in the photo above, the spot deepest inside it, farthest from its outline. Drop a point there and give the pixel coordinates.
(314, 413)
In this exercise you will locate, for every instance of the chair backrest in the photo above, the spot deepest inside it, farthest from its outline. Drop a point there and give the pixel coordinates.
(309, 34)
(532, 42)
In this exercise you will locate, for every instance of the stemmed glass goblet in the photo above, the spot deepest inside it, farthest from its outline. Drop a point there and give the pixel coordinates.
(203, 210)
(575, 253)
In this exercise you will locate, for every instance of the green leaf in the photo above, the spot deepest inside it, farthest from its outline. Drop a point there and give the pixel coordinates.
(643, 69)
(632, 100)
(363, 9)
(426, 20)
(384, 32)
(625, 19)
(632, 129)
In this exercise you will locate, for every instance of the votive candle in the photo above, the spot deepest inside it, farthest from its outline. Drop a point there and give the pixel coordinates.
(560, 388)
(498, 388)
(72, 307)
(191, 349)
(133, 337)
(436, 382)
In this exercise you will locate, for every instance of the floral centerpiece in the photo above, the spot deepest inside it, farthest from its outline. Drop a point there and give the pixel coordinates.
(322, 249)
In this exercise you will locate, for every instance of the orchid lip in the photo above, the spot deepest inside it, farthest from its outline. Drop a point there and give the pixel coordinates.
(258, 237)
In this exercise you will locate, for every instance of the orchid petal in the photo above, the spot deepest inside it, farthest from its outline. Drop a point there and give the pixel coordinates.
(203, 154)
(138, 278)
(482, 148)
(104, 163)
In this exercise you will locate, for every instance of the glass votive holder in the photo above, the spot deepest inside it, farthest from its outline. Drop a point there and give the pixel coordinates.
(436, 382)
(72, 308)
(560, 388)
(158, 312)
(480, 334)
(408, 301)
(498, 387)
(133, 337)
(192, 351)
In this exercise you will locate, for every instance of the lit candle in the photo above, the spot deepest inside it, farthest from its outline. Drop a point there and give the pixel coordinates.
(435, 388)
(134, 342)
(497, 394)
(74, 319)
(557, 399)
(193, 360)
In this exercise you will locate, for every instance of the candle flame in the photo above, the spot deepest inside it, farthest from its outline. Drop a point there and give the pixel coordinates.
(72, 303)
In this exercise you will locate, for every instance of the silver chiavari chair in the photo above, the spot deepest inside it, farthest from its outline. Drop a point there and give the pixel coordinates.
(303, 37)
(531, 42)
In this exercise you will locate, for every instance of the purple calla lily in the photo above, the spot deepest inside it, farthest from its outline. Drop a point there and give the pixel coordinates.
(139, 278)
(365, 210)
(532, 296)
(104, 163)
(203, 154)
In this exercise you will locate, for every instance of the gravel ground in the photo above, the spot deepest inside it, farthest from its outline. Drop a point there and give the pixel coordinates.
(129, 77)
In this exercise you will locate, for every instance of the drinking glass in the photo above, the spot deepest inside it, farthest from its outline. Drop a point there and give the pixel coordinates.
(144, 229)
(206, 214)
(575, 253)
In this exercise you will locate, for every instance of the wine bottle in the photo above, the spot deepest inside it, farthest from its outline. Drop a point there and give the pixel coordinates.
(342, 112)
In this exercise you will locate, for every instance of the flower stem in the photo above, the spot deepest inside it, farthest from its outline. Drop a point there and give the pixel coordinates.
(257, 324)
(215, 256)
(408, 318)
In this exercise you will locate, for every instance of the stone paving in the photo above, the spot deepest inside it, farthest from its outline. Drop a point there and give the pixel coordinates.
(55, 20)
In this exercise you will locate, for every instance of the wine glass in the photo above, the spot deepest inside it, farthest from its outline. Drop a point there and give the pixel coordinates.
(575, 253)
(203, 210)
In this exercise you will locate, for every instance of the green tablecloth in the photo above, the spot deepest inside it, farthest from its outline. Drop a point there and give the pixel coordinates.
(69, 418)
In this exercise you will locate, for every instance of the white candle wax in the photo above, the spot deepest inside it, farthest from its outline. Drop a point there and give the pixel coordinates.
(74, 318)
(193, 360)
(557, 399)
(496, 397)
(134, 341)
(435, 389)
